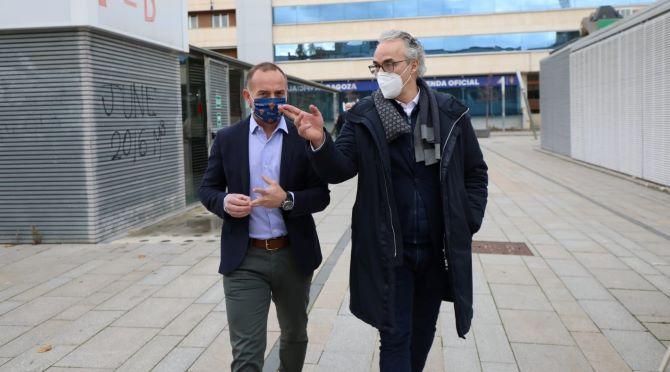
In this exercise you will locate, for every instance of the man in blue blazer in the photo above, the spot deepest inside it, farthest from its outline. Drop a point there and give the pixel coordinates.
(260, 181)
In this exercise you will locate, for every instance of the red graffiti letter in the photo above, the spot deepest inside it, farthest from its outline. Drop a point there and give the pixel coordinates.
(147, 17)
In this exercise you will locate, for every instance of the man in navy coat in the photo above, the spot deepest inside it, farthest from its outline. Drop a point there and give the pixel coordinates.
(260, 181)
(422, 190)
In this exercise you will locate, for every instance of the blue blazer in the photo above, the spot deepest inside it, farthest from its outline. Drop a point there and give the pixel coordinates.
(228, 172)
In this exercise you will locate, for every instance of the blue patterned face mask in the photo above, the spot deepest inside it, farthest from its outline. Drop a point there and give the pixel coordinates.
(267, 109)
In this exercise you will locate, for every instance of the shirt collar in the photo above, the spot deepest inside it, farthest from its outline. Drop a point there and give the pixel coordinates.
(409, 106)
(412, 103)
(253, 125)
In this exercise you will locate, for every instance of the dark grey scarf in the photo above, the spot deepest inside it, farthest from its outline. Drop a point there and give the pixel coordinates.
(426, 130)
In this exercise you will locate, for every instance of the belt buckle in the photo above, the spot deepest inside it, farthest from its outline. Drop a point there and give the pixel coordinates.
(267, 246)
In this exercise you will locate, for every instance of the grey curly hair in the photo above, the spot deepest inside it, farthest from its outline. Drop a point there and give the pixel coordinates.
(413, 48)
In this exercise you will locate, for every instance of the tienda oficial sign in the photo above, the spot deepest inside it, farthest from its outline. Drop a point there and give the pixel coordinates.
(160, 22)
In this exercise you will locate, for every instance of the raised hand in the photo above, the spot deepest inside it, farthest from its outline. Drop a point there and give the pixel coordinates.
(309, 124)
(237, 205)
(271, 196)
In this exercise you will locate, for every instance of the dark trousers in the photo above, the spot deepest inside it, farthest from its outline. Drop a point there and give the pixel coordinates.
(417, 305)
(264, 276)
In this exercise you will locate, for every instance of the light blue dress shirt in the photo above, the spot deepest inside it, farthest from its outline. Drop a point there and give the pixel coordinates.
(265, 160)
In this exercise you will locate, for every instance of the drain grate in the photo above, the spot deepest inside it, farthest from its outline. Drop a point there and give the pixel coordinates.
(519, 249)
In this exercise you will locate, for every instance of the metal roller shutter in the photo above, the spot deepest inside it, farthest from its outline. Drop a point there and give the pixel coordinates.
(90, 135)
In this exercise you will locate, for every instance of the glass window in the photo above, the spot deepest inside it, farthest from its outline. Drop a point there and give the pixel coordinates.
(284, 15)
(331, 12)
(219, 20)
(405, 8)
(308, 14)
(380, 10)
(357, 11)
(432, 45)
(192, 21)
(412, 8)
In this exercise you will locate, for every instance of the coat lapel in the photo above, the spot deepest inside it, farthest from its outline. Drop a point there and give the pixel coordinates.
(244, 157)
(287, 151)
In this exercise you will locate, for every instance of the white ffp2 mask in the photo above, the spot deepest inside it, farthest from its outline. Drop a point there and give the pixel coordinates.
(390, 83)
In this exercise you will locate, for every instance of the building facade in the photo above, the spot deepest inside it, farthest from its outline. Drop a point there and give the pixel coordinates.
(474, 48)
(607, 97)
(107, 115)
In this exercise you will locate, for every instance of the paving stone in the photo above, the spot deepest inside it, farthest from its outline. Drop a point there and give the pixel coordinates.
(649, 303)
(153, 313)
(549, 358)
(150, 354)
(74, 312)
(83, 286)
(41, 289)
(164, 275)
(586, 289)
(640, 266)
(213, 295)
(508, 274)
(344, 361)
(499, 367)
(31, 360)
(37, 311)
(660, 330)
(567, 268)
(206, 266)
(179, 359)
(600, 353)
(8, 333)
(188, 286)
(218, 356)
(84, 268)
(492, 344)
(661, 282)
(520, 297)
(540, 327)
(461, 359)
(622, 279)
(639, 349)
(187, 320)
(341, 339)
(582, 246)
(7, 306)
(206, 331)
(80, 330)
(610, 315)
(129, 297)
(485, 311)
(109, 348)
(32, 338)
(600, 261)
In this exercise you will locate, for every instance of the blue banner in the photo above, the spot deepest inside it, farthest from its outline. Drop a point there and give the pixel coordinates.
(435, 83)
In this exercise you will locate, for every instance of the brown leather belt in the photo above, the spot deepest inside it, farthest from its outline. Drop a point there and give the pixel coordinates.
(270, 244)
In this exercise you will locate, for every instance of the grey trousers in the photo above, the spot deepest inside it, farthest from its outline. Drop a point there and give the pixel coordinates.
(265, 275)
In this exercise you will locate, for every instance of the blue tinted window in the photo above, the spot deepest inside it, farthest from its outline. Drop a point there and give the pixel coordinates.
(380, 10)
(431, 7)
(357, 11)
(412, 8)
(308, 14)
(332, 12)
(432, 45)
(284, 15)
(405, 8)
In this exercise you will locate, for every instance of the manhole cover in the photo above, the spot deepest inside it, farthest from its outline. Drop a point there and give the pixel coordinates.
(519, 249)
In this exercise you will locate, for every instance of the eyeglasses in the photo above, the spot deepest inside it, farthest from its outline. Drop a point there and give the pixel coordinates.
(388, 66)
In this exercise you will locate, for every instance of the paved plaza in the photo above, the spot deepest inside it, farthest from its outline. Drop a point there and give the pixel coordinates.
(594, 295)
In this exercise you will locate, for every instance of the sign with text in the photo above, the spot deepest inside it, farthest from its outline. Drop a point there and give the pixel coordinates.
(433, 82)
(161, 22)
